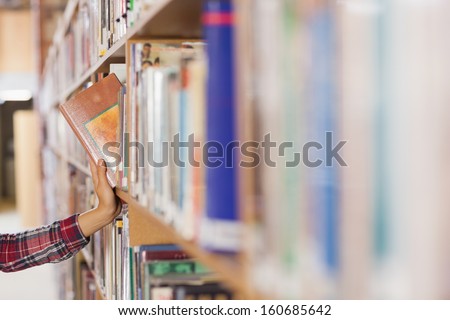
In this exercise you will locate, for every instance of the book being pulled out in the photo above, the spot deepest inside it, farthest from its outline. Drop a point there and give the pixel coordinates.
(93, 114)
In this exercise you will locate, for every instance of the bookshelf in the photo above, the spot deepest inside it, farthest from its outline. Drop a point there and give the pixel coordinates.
(304, 68)
(164, 19)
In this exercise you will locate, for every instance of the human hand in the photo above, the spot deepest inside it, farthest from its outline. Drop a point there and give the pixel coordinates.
(109, 205)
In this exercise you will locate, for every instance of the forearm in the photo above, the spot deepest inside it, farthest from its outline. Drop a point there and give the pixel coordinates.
(109, 205)
(93, 220)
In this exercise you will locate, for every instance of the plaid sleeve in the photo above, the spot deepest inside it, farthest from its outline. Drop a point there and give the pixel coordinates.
(48, 244)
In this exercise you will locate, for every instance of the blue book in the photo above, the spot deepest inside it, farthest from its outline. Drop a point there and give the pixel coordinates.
(220, 227)
(325, 177)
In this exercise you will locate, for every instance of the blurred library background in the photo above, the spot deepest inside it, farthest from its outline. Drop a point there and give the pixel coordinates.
(346, 200)
(21, 203)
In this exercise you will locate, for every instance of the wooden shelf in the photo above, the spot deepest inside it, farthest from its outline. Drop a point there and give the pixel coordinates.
(229, 267)
(112, 54)
(68, 14)
(72, 162)
(88, 257)
(55, 151)
(79, 166)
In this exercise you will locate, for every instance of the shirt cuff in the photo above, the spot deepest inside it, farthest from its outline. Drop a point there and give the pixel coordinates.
(72, 235)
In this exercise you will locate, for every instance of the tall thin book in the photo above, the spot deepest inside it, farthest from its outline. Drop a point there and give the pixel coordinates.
(93, 115)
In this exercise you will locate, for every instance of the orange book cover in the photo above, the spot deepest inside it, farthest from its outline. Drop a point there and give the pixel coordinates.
(93, 114)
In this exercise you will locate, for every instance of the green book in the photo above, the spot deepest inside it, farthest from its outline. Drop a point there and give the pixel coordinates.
(160, 268)
(172, 271)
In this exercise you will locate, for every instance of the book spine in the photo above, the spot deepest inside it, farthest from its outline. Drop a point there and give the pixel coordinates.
(183, 114)
(132, 134)
(161, 293)
(126, 263)
(158, 138)
(170, 78)
(163, 255)
(149, 120)
(324, 182)
(220, 226)
(174, 129)
(161, 268)
(195, 184)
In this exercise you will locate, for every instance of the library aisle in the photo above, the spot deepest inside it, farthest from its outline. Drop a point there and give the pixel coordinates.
(32, 284)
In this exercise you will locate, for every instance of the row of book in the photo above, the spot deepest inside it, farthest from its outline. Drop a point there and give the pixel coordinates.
(170, 287)
(166, 272)
(92, 30)
(148, 272)
(371, 75)
(181, 95)
(165, 102)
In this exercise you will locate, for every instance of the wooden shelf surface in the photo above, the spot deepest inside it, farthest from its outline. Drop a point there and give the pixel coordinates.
(79, 166)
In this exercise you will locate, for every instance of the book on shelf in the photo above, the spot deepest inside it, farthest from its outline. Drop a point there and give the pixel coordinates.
(147, 92)
(120, 70)
(322, 181)
(221, 226)
(143, 254)
(186, 287)
(161, 103)
(295, 101)
(207, 291)
(93, 115)
(183, 277)
(184, 266)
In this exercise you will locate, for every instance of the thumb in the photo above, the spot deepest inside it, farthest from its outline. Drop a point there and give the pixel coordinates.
(101, 172)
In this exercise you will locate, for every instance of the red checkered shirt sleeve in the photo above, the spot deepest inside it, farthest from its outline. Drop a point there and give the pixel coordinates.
(48, 244)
